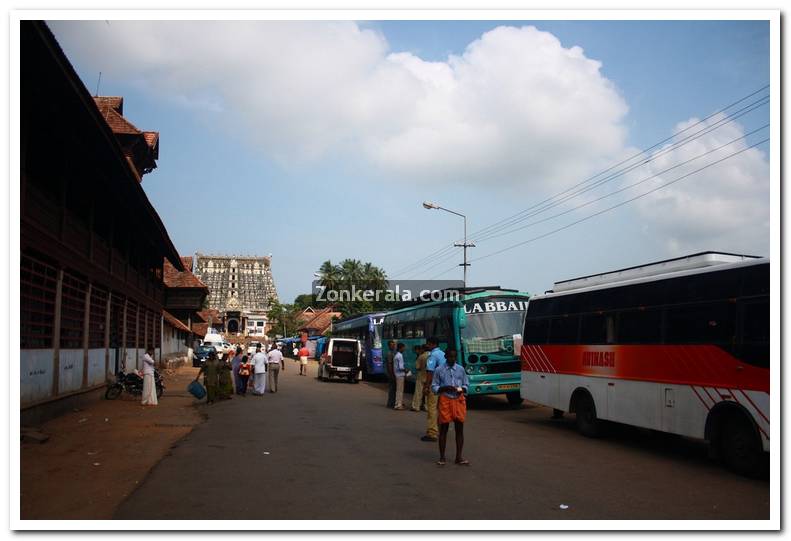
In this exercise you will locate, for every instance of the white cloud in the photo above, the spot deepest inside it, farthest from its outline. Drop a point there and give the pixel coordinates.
(724, 207)
(516, 106)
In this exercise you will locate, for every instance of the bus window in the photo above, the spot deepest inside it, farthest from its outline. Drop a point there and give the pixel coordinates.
(597, 329)
(703, 287)
(639, 327)
(564, 330)
(419, 330)
(755, 333)
(755, 280)
(409, 330)
(431, 327)
(443, 328)
(709, 323)
(536, 331)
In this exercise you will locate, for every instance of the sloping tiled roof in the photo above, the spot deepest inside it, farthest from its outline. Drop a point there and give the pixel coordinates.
(210, 313)
(114, 119)
(114, 102)
(200, 329)
(129, 136)
(322, 320)
(185, 279)
(171, 320)
(186, 260)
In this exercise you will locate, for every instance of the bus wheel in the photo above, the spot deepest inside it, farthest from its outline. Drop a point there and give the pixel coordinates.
(514, 399)
(587, 422)
(740, 446)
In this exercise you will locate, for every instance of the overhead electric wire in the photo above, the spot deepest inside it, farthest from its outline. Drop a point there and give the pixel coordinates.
(502, 223)
(640, 153)
(498, 232)
(608, 209)
(685, 162)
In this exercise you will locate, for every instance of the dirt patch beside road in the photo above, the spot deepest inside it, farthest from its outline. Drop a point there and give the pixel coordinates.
(95, 457)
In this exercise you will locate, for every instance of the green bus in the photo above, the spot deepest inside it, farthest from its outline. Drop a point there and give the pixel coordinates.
(480, 323)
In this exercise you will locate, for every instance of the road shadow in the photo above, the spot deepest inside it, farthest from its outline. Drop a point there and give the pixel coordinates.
(649, 442)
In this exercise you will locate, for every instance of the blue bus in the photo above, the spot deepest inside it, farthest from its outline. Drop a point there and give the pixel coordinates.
(368, 330)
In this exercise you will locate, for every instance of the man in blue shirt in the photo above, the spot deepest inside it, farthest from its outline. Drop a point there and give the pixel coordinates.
(400, 374)
(450, 383)
(435, 358)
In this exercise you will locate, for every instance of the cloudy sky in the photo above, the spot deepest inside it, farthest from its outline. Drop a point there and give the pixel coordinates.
(319, 140)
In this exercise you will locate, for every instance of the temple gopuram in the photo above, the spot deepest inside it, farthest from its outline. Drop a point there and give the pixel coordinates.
(241, 290)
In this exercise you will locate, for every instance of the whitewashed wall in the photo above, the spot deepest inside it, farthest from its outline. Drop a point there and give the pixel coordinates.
(71, 366)
(96, 367)
(36, 375)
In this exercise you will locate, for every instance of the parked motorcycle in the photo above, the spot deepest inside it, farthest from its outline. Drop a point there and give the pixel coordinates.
(132, 384)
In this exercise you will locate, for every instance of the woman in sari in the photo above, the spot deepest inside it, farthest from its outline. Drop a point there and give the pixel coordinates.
(211, 372)
(225, 381)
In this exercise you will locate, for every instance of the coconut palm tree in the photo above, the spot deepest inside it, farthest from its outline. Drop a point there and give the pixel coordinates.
(330, 275)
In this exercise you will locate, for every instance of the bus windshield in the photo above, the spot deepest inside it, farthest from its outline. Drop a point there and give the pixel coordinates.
(492, 332)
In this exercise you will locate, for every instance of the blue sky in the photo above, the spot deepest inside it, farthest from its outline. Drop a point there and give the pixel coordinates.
(323, 143)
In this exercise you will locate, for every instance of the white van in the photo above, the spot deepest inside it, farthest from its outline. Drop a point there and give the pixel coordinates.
(215, 340)
(342, 359)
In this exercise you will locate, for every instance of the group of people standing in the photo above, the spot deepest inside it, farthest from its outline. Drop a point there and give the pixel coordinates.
(235, 373)
(440, 388)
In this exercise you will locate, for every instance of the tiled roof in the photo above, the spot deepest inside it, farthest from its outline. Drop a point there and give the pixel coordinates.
(322, 320)
(200, 329)
(186, 260)
(185, 279)
(129, 136)
(114, 102)
(114, 119)
(210, 313)
(173, 322)
(151, 137)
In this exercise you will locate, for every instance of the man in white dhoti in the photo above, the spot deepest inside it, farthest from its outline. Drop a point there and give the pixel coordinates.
(259, 380)
(149, 387)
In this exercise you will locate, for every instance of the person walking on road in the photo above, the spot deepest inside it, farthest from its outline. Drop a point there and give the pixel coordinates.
(211, 372)
(303, 360)
(259, 362)
(149, 386)
(226, 385)
(450, 383)
(243, 376)
(237, 360)
(419, 398)
(275, 364)
(435, 359)
(391, 383)
(400, 373)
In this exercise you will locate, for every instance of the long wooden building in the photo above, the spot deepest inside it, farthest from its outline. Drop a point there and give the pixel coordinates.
(91, 244)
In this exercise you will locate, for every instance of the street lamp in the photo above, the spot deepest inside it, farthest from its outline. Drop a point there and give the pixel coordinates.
(429, 206)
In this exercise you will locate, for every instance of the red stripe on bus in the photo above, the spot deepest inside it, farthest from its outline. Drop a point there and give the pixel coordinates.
(700, 365)
(756, 424)
(761, 413)
(540, 358)
(544, 355)
(700, 398)
(709, 395)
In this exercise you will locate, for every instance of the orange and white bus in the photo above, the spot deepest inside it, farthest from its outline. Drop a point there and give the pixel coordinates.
(679, 346)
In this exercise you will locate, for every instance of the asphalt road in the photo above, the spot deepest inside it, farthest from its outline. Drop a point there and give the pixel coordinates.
(331, 450)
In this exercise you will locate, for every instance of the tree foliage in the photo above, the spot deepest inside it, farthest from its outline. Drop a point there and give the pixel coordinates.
(284, 317)
(350, 275)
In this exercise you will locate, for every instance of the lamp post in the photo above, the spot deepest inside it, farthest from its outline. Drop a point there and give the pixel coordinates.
(428, 205)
